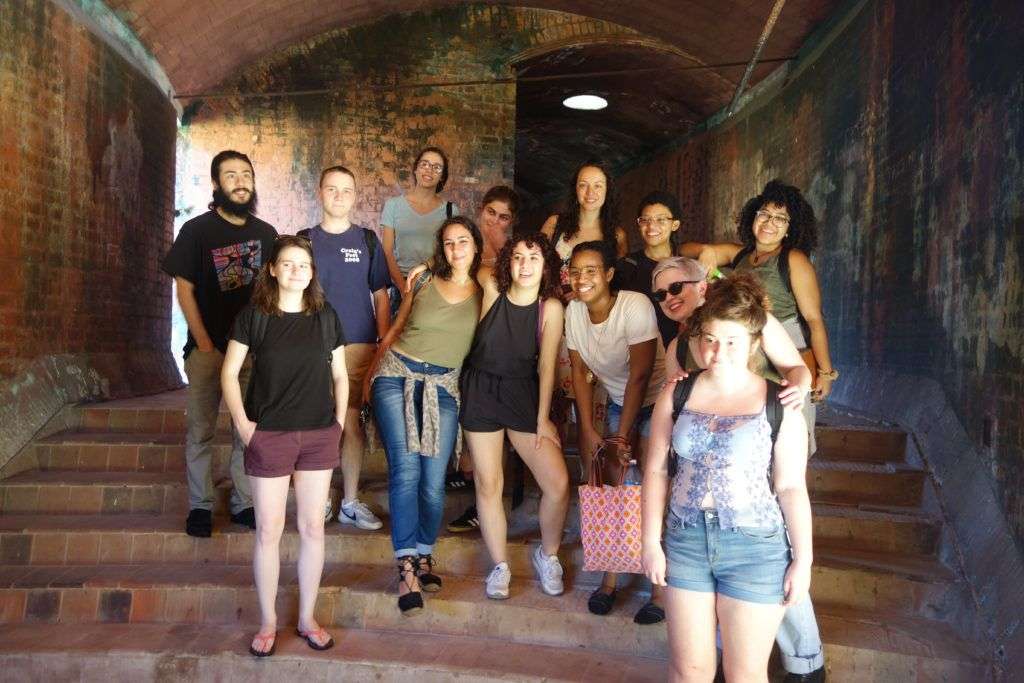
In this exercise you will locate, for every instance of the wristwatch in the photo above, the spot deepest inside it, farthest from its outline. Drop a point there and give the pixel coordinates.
(832, 374)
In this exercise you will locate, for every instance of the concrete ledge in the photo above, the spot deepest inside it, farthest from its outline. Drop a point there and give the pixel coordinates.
(30, 399)
(990, 556)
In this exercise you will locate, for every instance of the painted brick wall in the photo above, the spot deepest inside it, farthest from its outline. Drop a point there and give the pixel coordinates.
(86, 185)
(374, 129)
(907, 133)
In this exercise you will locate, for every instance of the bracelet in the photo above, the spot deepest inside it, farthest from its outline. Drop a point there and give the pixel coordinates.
(832, 374)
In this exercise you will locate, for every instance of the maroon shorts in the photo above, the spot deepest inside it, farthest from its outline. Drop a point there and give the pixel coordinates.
(278, 454)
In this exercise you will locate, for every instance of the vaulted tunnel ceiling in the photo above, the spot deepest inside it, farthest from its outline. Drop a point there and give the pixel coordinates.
(203, 45)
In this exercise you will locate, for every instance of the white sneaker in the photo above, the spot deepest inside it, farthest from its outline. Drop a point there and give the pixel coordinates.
(549, 572)
(358, 514)
(497, 582)
(328, 512)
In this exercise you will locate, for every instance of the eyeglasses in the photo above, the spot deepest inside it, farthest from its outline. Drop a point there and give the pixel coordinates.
(428, 166)
(778, 220)
(589, 271)
(660, 221)
(674, 289)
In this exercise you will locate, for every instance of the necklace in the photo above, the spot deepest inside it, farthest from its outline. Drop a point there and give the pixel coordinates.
(594, 341)
(757, 259)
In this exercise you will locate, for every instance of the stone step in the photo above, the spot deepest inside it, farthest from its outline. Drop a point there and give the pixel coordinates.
(356, 598)
(861, 528)
(860, 444)
(897, 583)
(150, 652)
(850, 483)
(126, 451)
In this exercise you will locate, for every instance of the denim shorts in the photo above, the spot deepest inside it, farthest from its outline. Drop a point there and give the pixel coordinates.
(642, 423)
(745, 563)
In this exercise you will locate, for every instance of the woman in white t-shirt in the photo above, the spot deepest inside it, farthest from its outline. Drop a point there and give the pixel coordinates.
(613, 337)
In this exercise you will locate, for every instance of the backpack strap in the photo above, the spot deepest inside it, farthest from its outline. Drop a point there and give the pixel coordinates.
(681, 394)
(773, 408)
(305, 232)
(448, 209)
(258, 330)
(371, 240)
(326, 333)
(738, 259)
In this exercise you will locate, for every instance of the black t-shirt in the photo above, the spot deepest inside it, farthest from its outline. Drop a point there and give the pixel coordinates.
(633, 273)
(222, 261)
(291, 387)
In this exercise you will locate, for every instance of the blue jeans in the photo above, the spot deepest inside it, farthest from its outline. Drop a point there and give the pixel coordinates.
(415, 481)
(641, 424)
(798, 639)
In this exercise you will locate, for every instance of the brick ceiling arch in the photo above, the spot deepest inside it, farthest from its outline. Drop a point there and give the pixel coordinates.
(200, 44)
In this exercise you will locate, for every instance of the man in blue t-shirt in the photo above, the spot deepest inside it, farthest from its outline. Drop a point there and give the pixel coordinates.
(353, 272)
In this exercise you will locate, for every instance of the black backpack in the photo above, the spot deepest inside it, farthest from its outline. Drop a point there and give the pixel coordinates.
(681, 394)
(783, 264)
(369, 237)
(260, 320)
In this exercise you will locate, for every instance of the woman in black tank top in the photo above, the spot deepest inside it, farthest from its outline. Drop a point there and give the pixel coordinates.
(506, 384)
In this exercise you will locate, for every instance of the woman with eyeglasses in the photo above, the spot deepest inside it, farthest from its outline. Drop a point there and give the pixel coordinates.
(613, 337)
(658, 221)
(409, 221)
(779, 231)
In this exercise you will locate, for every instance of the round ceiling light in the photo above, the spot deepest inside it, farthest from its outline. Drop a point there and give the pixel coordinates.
(586, 102)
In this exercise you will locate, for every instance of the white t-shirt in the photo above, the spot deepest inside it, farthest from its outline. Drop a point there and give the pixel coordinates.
(604, 347)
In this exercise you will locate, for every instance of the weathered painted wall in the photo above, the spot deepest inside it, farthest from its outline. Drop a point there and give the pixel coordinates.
(371, 125)
(907, 132)
(86, 185)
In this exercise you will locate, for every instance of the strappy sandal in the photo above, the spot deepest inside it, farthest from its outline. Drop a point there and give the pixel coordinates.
(649, 614)
(429, 581)
(261, 640)
(319, 634)
(601, 603)
(413, 600)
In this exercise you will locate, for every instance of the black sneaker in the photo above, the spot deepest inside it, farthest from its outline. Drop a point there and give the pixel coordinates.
(457, 481)
(199, 523)
(246, 517)
(469, 521)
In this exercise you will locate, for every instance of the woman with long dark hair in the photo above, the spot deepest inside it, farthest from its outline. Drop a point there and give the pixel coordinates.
(291, 422)
(415, 398)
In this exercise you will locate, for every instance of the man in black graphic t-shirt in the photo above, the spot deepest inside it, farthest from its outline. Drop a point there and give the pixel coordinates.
(214, 261)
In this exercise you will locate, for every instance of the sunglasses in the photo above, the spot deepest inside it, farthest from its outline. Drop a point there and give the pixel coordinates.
(673, 289)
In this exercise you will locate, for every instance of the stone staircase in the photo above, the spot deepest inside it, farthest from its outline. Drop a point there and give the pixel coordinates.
(98, 580)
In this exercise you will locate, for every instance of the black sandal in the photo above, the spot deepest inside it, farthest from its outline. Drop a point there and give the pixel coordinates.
(413, 600)
(649, 614)
(429, 581)
(601, 603)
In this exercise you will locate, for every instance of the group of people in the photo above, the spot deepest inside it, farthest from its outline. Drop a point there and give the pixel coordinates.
(448, 329)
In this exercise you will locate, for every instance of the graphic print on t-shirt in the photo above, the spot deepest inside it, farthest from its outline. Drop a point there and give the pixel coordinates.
(350, 255)
(238, 264)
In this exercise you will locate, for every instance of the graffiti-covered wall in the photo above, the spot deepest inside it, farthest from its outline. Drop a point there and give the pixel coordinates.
(905, 127)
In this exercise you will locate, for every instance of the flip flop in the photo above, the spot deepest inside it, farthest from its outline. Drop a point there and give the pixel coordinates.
(320, 632)
(261, 640)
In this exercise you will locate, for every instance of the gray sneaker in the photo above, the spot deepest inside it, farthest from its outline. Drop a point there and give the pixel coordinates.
(328, 512)
(358, 514)
(549, 572)
(497, 582)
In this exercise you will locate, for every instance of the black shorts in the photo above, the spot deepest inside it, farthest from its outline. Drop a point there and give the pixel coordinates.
(491, 403)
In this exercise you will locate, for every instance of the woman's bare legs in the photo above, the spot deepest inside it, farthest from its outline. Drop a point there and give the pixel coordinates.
(548, 467)
(748, 634)
(489, 479)
(691, 636)
(269, 496)
(311, 489)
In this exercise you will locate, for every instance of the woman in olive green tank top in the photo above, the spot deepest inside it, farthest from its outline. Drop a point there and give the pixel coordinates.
(779, 231)
(414, 385)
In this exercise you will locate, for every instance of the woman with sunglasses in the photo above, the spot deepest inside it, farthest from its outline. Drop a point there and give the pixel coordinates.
(291, 422)
(613, 337)
(658, 222)
(409, 221)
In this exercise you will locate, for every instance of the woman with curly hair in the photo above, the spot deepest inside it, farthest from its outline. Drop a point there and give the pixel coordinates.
(779, 231)
(507, 384)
